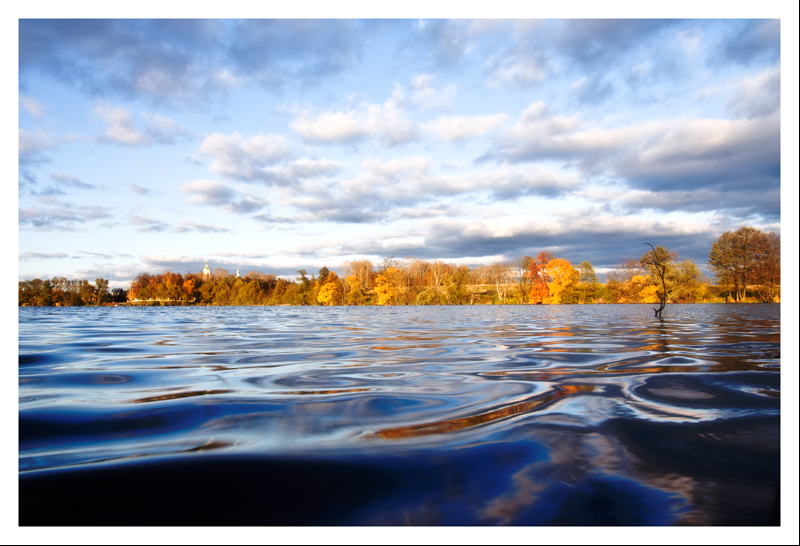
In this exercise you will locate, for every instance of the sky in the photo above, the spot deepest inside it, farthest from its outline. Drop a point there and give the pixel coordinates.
(276, 145)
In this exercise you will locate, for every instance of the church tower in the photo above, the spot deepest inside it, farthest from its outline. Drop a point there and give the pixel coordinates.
(206, 272)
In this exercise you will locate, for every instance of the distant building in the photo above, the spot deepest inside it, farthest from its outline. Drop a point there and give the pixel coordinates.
(237, 273)
(119, 295)
(206, 272)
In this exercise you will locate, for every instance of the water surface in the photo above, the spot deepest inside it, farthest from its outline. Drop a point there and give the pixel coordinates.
(521, 415)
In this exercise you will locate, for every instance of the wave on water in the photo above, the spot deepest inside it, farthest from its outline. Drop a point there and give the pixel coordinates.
(485, 415)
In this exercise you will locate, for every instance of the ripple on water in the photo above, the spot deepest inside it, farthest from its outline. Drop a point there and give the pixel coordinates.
(578, 386)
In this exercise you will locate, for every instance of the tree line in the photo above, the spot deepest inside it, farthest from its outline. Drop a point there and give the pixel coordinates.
(61, 291)
(746, 264)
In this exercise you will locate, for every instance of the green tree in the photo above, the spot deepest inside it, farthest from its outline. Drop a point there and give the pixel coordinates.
(101, 290)
(304, 282)
(684, 282)
(356, 296)
(323, 275)
(87, 293)
(587, 281)
(45, 298)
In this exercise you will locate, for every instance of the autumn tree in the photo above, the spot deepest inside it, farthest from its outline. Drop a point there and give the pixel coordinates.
(355, 295)
(331, 292)
(620, 281)
(417, 271)
(587, 281)
(435, 274)
(323, 275)
(45, 296)
(362, 270)
(101, 290)
(768, 270)
(562, 280)
(684, 282)
(499, 273)
(455, 285)
(738, 258)
(537, 274)
(189, 292)
(522, 267)
(386, 286)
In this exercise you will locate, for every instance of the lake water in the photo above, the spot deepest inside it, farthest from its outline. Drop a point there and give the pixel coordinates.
(484, 415)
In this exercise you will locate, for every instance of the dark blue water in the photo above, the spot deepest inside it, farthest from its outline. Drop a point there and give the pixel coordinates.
(486, 415)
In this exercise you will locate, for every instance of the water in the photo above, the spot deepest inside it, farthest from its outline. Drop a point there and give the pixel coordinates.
(486, 415)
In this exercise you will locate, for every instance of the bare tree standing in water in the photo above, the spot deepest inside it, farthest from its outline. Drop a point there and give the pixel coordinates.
(661, 269)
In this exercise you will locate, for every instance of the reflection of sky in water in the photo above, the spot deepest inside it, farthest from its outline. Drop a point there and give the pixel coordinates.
(603, 407)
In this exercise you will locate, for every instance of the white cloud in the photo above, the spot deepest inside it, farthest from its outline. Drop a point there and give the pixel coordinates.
(301, 169)
(406, 188)
(186, 226)
(31, 143)
(426, 96)
(759, 95)
(149, 225)
(332, 127)
(520, 72)
(241, 158)
(33, 106)
(42, 256)
(385, 122)
(219, 194)
(579, 86)
(507, 183)
(123, 127)
(537, 121)
(63, 216)
(642, 70)
(456, 128)
(208, 192)
(122, 274)
(664, 155)
(228, 79)
(690, 41)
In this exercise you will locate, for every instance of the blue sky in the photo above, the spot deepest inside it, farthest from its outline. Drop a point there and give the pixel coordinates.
(278, 145)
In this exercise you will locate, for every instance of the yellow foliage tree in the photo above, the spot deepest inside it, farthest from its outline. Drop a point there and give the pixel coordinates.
(386, 286)
(562, 277)
(638, 287)
(331, 293)
(353, 281)
(649, 294)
